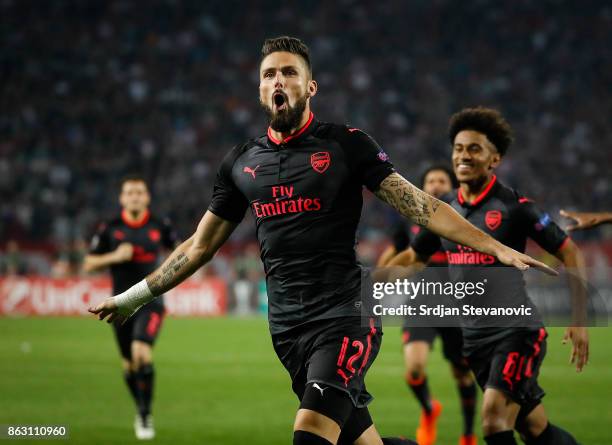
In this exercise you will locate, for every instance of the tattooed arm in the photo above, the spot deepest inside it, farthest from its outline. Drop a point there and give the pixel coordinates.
(188, 257)
(443, 220)
(192, 254)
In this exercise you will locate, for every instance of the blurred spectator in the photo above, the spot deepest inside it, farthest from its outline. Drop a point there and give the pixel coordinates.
(12, 262)
(93, 90)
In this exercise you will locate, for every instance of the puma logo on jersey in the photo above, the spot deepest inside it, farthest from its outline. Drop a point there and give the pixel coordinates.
(250, 170)
(316, 386)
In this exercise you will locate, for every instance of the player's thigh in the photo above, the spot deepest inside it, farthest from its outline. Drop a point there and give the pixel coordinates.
(146, 328)
(369, 437)
(316, 423)
(342, 355)
(418, 342)
(123, 338)
(416, 355)
(142, 353)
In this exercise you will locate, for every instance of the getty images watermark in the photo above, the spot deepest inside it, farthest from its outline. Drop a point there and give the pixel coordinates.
(422, 288)
(485, 297)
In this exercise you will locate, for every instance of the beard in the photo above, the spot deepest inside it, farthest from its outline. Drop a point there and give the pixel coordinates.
(288, 119)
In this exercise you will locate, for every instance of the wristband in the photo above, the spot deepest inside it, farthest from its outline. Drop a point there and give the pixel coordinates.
(134, 298)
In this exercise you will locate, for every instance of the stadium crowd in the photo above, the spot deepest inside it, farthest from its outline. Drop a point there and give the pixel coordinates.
(92, 91)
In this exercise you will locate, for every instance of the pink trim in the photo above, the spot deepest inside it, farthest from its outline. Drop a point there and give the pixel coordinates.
(292, 135)
(135, 224)
(564, 243)
(480, 197)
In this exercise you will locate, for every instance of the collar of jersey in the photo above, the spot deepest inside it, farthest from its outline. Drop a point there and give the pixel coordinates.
(135, 224)
(293, 135)
(480, 197)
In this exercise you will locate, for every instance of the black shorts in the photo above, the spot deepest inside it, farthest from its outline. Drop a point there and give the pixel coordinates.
(336, 352)
(512, 366)
(144, 326)
(452, 342)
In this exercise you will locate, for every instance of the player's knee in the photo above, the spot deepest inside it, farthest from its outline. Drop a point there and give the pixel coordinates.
(494, 418)
(126, 365)
(142, 354)
(324, 410)
(316, 425)
(462, 376)
(415, 371)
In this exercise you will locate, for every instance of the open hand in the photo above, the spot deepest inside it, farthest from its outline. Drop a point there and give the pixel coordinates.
(579, 337)
(521, 261)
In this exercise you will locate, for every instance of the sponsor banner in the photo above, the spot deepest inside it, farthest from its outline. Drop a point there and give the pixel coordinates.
(72, 296)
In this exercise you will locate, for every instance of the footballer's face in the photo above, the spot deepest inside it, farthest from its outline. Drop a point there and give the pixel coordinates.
(437, 183)
(474, 156)
(285, 89)
(134, 196)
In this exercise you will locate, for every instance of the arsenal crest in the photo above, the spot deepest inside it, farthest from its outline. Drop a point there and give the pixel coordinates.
(154, 235)
(493, 219)
(320, 161)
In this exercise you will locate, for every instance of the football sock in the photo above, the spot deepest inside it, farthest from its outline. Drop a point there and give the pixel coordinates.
(420, 388)
(553, 435)
(468, 407)
(306, 438)
(501, 438)
(130, 380)
(144, 380)
(397, 441)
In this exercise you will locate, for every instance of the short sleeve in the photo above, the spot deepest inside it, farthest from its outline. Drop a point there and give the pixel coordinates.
(227, 201)
(100, 241)
(540, 227)
(425, 243)
(369, 162)
(169, 237)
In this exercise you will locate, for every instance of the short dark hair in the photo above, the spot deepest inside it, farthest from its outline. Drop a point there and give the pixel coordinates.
(288, 44)
(440, 167)
(132, 177)
(487, 121)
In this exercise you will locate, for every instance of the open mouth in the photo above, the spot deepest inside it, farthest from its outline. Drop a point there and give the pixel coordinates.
(280, 100)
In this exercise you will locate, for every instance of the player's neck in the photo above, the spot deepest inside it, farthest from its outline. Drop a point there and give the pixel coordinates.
(281, 136)
(473, 189)
(134, 216)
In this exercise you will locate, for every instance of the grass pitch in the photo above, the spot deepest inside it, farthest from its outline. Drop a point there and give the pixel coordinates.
(218, 382)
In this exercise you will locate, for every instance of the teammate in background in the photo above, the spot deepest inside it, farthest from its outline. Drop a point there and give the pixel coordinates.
(437, 180)
(130, 245)
(505, 360)
(303, 182)
(586, 220)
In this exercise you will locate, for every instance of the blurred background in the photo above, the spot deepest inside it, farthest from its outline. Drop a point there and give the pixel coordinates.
(91, 91)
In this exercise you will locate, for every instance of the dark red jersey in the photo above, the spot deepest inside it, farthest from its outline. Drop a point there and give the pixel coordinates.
(305, 194)
(148, 236)
(510, 218)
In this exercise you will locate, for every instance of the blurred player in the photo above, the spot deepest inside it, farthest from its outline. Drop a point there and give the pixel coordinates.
(437, 180)
(130, 245)
(586, 220)
(303, 182)
(505, 360)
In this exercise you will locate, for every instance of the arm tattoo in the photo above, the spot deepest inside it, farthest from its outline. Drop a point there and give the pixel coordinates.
(407, 199)
(161, 281)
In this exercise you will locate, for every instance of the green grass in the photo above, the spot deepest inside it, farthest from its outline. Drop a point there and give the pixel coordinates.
(219, 382)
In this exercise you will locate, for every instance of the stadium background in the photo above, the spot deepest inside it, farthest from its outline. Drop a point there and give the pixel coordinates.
(91, 91)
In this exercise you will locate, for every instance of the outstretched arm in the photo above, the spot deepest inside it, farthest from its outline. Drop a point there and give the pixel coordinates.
(584, 220)
(443, 220)
(188, 257)
(573, 261)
